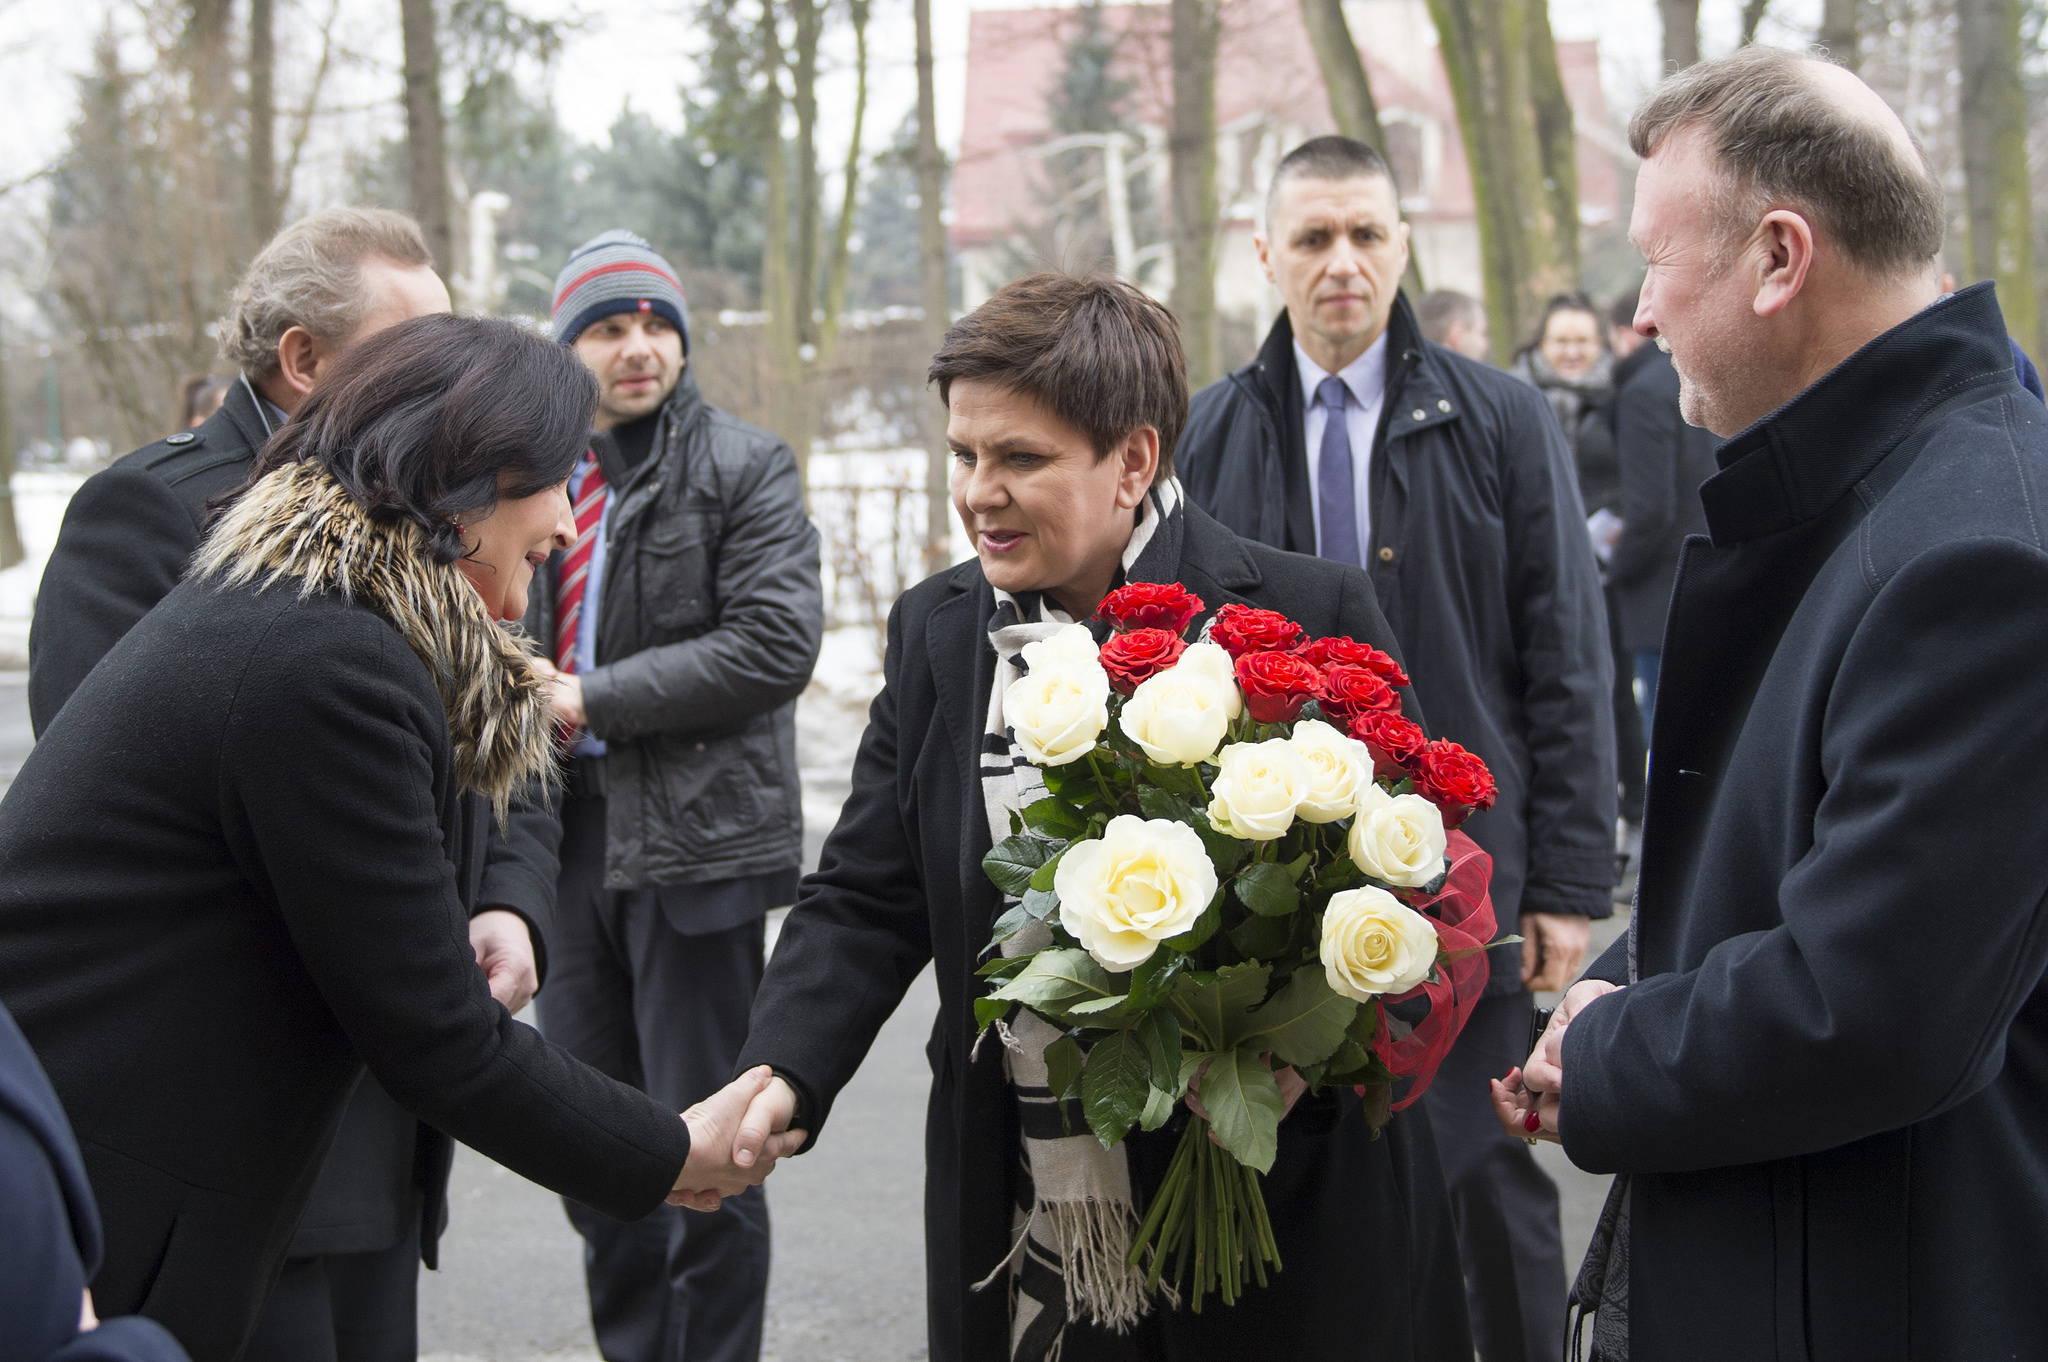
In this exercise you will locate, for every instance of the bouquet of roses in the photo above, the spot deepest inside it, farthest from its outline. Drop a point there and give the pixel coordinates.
(1242, 855)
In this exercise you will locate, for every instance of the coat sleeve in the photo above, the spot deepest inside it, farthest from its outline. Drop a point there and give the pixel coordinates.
(1648, 436)
(1913, 929)
(1560, 637)
(860, 930)
(122, 547)
(327, 776)
(521, 865)
(771, 620)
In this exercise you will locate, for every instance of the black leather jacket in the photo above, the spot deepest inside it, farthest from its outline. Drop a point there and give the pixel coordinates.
(710, 617)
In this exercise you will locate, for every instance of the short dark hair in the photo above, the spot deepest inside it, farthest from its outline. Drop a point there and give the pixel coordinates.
(1563, 302)
(434, 419)
(1330, 157)
(1443, 308)
(1096, 351)
(1779, 136)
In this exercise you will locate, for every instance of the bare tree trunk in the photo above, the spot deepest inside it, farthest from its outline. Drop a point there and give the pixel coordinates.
(11, 551)
(1838, 31)
(1994, 137)
(1681, 33)
(263, 204)
(426, 144)
(1352, 106)
(1753, 12)
(1557, 144)
(1195, 28)
(932, 291)
(778, 284)
(1486, 46)
(841, 258)
(803, 76)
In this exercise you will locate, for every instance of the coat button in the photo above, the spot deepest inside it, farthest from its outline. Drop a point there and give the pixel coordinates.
(700, 747)
(183, 437)
(1443, 406)
(1418, 414)
(1386, 555)
(616, 877)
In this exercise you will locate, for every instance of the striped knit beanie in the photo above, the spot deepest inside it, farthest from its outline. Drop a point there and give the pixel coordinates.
(612, 272)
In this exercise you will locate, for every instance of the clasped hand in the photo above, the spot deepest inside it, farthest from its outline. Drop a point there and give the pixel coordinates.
(1537, 1087)
(736, 1137)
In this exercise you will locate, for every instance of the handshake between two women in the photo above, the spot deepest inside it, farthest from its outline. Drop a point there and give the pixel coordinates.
(736, 1137)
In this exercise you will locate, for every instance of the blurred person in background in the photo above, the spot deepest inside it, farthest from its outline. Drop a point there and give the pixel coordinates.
(241, 860)
(684, 621)
(1456, 321)
(349, 1285)
(1355, 438)
(1663, 459)
(200, 398)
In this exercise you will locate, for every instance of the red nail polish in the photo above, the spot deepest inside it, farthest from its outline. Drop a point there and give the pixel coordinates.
(1532, 1123)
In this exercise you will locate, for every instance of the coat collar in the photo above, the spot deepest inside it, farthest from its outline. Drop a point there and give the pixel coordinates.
(239, 421)
(299, 523)
(1804, 457)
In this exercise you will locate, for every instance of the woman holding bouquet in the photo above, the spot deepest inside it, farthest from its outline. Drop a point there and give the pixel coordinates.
(1065, 398)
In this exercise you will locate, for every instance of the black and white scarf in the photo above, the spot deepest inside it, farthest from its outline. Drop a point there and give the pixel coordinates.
(1075, 1212)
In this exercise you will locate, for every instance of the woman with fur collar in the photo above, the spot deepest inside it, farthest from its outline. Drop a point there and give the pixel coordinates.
(239, 865)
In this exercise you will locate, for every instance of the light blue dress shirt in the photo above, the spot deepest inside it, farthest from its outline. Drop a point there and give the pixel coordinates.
(1365, 383)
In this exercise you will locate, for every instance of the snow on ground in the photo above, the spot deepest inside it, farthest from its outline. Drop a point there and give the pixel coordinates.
(39, 502)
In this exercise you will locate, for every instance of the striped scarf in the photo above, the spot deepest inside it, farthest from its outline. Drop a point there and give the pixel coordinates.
(1075, 1212)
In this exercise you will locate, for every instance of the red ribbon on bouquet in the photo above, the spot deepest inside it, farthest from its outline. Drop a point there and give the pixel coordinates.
(1463, 913)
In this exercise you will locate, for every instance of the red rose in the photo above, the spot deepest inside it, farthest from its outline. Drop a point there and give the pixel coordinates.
(1350, 693)
(1130, 658)
(1150, 605)
(1349, 652)
(1393, 740)
(1241, 629)
(1454, 780)
(1276, 685)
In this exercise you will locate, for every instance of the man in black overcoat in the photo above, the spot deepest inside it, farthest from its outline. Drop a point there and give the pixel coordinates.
(1450, 483)
(1819, 1062)
(348, 1288)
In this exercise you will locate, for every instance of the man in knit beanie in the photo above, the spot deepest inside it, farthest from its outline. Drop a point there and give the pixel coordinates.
(681, 628)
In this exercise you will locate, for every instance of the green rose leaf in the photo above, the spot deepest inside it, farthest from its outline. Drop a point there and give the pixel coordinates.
(989, 1010)
(1041, 878)
(1154, 802)
(1262, 938)
(1039, 904)
(1180, 780)
(1008, 925)
(1204, 928)
(1010, 863)
(1266, 889)
(1056, 978)
(1116, 1085)
(1158, 1109)
(1243, 1101)
(1152, 981)
(1063, 1062)
(1160, 1034)
(1212, 1009)
(1302, 1024)
(1054, 817)
(1004, 967)
(1226, 851)
(1364, 1026)
(1098, 1008)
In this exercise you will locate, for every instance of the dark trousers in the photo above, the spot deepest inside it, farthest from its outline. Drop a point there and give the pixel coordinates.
(1504, 1204)
(343, 1307)
(666, 1012)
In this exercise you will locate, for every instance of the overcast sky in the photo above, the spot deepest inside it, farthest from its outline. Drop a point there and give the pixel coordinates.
(628, 50)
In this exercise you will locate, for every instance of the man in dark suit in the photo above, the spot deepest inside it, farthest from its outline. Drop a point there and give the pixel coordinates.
(1353, 438)
(326, 281)
(1820, 1059)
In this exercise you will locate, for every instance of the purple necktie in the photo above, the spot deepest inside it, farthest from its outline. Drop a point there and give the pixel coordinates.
(1333, 479)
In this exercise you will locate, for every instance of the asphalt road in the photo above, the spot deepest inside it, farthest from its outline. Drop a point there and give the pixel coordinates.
(847, 1283)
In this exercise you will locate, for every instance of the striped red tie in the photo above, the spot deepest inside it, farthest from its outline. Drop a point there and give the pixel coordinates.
(575, 573)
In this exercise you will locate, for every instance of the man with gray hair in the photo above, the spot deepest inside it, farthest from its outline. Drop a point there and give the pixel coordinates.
(348, 1289)
(1819, 1062)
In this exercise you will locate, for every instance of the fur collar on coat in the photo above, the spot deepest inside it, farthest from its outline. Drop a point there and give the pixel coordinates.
(299, 522)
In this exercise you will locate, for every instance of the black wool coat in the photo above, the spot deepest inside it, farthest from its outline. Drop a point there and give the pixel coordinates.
(127, 537)
(50, 1230)
(1663, 462)
(238, 868)
(1363, 1225)
(1478, 553)
(1831, 1084)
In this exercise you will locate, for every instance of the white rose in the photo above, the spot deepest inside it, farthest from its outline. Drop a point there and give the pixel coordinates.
(1373, 943)
(1340, 768)
(1397, 838)
(1258, 787)
(1179, 716)
(1061, 707)
(1142, 881)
